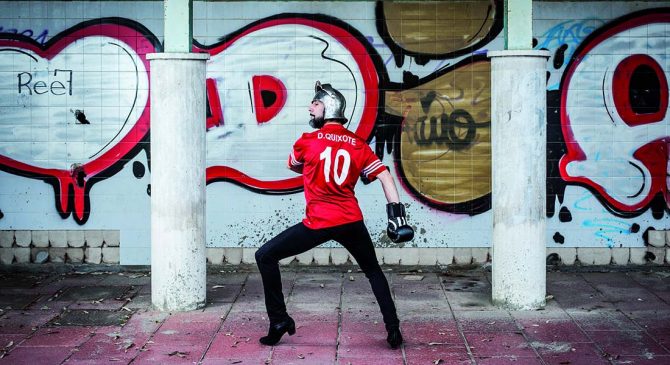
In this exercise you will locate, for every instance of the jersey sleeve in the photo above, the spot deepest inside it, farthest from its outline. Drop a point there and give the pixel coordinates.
(296, 158)
(372, 166)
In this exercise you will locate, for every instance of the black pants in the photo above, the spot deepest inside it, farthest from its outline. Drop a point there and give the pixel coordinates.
(298, 239)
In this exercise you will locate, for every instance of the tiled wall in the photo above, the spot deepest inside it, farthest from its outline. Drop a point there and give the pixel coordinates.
(74, 122)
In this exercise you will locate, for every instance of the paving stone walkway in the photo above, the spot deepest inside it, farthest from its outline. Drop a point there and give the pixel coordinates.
(447, 318)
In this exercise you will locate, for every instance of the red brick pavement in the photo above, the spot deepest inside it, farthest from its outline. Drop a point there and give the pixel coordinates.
(447, 318)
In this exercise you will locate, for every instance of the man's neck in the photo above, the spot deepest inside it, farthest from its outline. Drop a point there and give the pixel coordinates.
(331, 122)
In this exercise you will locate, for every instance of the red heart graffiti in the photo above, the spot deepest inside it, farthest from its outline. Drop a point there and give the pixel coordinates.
(72, 185)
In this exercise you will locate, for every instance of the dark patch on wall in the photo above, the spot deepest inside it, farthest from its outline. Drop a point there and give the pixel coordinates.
(81, 117)
(555, 150)
(635, 228)
(138, 169)
(559, 56)
(558, 238)
(2, 215)
(649, 256)
(658, 207)
(79, 174)
(420, 60)
(149, 189)
(387, 133)
(645, 235)
(410, 78)
(553, 259)
(564, 215)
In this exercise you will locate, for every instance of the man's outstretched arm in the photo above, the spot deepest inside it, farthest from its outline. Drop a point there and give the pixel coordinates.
(389, 187)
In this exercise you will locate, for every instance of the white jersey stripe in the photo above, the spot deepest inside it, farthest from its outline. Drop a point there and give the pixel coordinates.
(372, 167)
(294, 162)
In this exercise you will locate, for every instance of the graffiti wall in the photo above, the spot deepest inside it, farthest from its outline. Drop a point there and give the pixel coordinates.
(75, 127)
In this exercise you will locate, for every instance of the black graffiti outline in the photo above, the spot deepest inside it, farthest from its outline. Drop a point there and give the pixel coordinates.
(378, 63)
(19, 51)
(644, 180)
(602, 87)
(388, 131)
(323, 55)
(655, 203)
(143, 143)
(137, 80)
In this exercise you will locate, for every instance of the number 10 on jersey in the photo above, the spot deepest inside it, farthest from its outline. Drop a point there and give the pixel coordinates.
(340, 172)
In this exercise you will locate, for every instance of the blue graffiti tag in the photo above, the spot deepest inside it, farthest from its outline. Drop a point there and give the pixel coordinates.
(570, 34)
(40, 38)
(607, 226)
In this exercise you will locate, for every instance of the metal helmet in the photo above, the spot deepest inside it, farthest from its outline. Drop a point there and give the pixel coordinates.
(333, 102)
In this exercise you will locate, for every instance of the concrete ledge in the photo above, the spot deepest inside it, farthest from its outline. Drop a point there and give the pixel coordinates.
(409, 256)
(75, 239)
(324, 256)
(620, 255)
(58, 238)
(40, 238)
(232, 255)
(23, 238)
(59, 246)
(655, 238)
(93, 238)
(339, 256)
(430, 256)
(392, 255)
(462, 255)
(566, 255)
(93, 255)
(214, 255)
(594, 256)
(305, 258)
(249, 255)
(6, 239)
(321, 256)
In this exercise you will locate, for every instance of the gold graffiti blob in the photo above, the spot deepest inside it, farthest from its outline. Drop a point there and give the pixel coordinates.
(445, 143)
(438, 27)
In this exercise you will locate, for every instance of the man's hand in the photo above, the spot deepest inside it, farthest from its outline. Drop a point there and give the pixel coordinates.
(398, 230)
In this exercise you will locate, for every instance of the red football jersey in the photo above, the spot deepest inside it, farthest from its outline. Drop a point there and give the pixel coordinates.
(332, 159)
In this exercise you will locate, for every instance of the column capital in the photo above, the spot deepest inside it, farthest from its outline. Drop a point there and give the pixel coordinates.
(177, 56)
(519, 53)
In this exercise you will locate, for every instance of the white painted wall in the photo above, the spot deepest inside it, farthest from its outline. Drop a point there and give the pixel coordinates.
(237, 217)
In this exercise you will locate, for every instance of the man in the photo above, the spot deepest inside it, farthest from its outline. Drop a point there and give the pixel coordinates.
(331, 160)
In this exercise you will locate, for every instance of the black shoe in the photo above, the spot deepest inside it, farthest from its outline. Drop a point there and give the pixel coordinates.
(277, 330)
(394, 337)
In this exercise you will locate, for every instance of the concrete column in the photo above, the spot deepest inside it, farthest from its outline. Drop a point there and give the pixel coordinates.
(178, 119)
(178, 25)
(518, 24)
(518, 128)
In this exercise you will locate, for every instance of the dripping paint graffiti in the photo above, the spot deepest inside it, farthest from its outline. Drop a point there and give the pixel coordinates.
(45, 92)
(614, 127)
